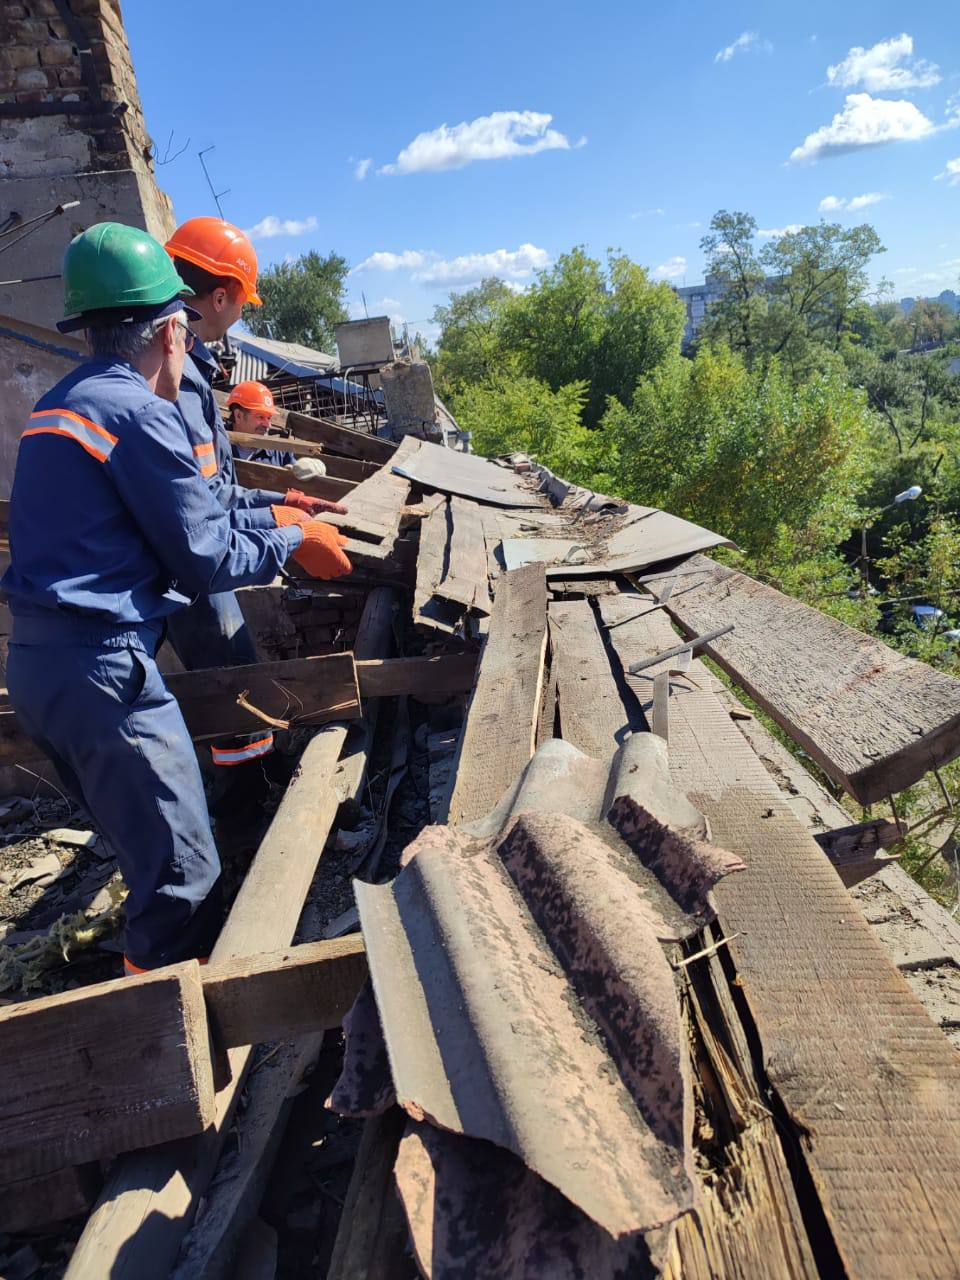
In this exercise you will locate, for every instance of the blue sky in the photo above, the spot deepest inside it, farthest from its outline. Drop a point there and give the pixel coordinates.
(492, 138)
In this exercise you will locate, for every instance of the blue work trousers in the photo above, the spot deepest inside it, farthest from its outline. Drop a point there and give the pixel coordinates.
(212, 633)
(105, 718)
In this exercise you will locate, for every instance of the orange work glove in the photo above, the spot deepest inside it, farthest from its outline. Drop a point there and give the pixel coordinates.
(320, 551)
(289, 515)
(312, 506)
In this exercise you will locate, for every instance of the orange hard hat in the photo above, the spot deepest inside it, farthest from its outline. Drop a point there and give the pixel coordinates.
(221, 249)
(253, 396)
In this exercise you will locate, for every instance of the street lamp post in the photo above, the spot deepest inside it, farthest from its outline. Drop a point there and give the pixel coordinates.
(908, 495)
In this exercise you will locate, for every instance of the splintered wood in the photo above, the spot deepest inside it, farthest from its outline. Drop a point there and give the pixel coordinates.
(869, 1082)
(874, 720)
(263, 475)
(452, 566)
(592, 715)
(498, 736)
(48, 1120)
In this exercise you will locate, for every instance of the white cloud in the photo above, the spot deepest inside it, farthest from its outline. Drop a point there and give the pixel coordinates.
(648, 213)
(672, 269)
(494, 137)
(832, 204)
(470, 268)
(747, 42)
(951, 172)
(271, 226)
(790, 230)
(868, 198)
(362, 168)
(884, 67)
(429, 267)
(865, 122)
(386, 261)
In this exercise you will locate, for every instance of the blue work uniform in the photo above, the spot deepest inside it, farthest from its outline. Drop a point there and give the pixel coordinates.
(112, 530)
(212, 632)
(275, 457)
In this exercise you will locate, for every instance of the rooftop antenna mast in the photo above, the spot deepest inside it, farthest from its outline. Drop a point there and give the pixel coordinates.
(206, 173)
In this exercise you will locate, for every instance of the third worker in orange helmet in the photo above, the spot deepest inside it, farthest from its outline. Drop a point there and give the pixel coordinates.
(251, 406)
(219, 264)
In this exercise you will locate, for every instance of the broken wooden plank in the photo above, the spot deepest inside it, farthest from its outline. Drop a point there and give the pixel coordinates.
(382, 497)
(431, 559)
(372, 1236)
(32, 1203)
(661, 705)
(874, 720)
(337, 468)
(465, 576)
(71, 1092)
(309, 691)
(499, 731)
(150, 1198)
(592, 715)
(836, 1021)
(339, 439)
(248, 1000)
(422, 678)
(859, 842)
(284, 994)
(262, 475)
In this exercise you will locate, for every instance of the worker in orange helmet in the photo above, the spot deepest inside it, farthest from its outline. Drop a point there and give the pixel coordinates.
(252, 407)
(219, 264)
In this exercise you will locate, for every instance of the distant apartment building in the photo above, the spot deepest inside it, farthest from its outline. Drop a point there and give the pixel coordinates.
(697, 298)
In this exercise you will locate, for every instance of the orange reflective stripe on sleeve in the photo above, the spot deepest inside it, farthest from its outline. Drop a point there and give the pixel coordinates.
(96, 440)
(206, 457)
(237, 755)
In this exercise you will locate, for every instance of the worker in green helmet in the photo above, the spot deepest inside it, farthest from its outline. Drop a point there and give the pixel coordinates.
(113, 529)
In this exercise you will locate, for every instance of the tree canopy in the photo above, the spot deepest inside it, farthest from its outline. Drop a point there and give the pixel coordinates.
(302, 300)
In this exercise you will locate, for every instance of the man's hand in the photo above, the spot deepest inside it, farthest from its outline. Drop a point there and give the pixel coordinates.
(312, 506)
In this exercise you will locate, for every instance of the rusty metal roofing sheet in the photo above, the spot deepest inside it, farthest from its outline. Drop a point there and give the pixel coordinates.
(524, 995)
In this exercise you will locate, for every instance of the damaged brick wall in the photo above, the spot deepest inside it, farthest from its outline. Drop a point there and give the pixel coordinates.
(300, 622)
(71, 128)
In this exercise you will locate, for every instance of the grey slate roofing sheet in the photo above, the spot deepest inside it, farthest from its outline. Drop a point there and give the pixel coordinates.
(528, 1009)
(469, 476)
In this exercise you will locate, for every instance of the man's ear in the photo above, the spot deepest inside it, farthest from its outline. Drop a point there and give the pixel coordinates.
(168, 334)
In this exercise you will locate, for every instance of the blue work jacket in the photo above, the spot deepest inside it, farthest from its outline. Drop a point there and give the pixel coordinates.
(275, 457)
(250, 508)
(111, 524)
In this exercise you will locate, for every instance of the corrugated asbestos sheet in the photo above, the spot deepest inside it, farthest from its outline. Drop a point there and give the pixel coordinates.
(530, 1022)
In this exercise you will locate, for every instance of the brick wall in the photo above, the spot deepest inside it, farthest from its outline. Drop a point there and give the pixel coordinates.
(71, 128)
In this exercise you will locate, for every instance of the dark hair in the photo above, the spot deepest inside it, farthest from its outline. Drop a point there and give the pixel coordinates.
(202, 282)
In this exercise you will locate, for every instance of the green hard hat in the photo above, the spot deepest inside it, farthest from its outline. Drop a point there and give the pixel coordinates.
(116, 269)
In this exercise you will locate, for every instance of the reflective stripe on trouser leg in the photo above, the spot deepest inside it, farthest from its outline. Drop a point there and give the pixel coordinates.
(212, 633)
(261, 746)
(113, 729)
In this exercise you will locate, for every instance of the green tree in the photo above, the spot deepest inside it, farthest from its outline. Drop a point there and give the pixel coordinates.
(470, 348)
(556, 327)
(644, 324)
(744, 451)
(302, 300)
(733, 266)
(816, 279)
(523, 414)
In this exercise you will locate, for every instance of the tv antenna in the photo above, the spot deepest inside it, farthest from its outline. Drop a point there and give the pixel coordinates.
(206, 173)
